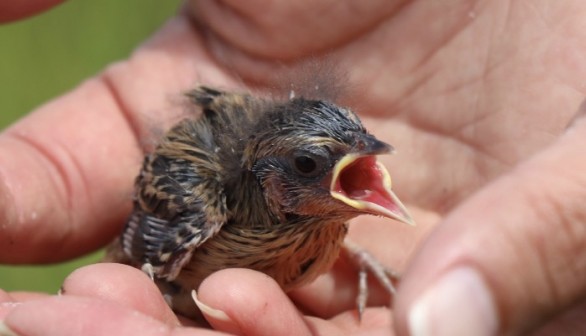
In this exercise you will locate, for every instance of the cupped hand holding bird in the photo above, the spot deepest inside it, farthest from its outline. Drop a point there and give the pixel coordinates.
(477, 102)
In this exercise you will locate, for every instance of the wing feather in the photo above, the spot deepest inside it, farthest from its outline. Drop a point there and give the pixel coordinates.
(179, 201)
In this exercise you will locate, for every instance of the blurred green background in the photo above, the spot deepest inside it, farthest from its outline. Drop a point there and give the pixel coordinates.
(49, 54)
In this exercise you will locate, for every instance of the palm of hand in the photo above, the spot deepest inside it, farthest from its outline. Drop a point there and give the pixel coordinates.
(461, 102)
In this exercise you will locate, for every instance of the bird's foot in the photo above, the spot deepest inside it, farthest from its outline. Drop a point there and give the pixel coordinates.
(148, 270)
(367, 263)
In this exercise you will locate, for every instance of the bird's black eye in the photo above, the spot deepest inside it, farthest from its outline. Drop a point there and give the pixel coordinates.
(305, 164)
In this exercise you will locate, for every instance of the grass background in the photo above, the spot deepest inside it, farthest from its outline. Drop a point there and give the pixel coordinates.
(49, 54)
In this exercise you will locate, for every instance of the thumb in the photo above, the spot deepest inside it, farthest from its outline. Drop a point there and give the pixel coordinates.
(509, 258)
(14, 10)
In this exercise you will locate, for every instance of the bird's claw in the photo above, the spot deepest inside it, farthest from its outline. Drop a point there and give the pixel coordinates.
(367, 263)
(148, 270)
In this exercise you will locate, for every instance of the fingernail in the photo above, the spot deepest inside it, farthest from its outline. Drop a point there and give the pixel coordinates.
(458, 304)
(208, 311)
(5, 331)
(216, 317)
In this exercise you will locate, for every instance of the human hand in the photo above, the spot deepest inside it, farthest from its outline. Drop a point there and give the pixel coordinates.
(477, 101)
(114, 299)
(448, 95)
(49, 135)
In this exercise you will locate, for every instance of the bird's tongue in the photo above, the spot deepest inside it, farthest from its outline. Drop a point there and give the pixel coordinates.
(363, 183)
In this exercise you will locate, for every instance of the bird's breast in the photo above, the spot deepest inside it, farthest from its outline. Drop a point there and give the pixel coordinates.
(293, 255)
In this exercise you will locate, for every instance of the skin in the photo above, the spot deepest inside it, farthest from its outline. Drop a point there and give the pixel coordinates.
(477, 100)
(10, 11)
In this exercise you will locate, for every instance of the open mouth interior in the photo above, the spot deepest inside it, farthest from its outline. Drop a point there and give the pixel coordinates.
(366, 181)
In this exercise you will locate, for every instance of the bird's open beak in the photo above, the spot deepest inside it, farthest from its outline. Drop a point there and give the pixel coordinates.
(362, 182)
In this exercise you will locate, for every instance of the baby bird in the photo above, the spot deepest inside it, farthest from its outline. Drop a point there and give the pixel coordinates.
(255, 183)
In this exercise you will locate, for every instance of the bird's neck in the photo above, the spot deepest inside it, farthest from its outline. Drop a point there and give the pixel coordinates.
(246, 202)
(250, 208)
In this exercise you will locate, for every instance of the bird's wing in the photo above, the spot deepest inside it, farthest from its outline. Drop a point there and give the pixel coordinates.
(179, 204)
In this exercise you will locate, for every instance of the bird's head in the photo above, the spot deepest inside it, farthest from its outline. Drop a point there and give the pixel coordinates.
(313, 158)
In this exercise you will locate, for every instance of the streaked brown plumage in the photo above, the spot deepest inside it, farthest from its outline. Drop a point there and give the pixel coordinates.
(255, 183)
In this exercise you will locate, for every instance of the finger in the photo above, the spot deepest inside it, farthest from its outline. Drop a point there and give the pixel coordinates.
(65, 177)
(510, 257)
(7, 303)
(68, 315)
(257, 28)
(10, 300)
(21, 296)
(66, 170)
(14, 10)
(4, 296)
(123, 284)
(253, 302)
(571, 322)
